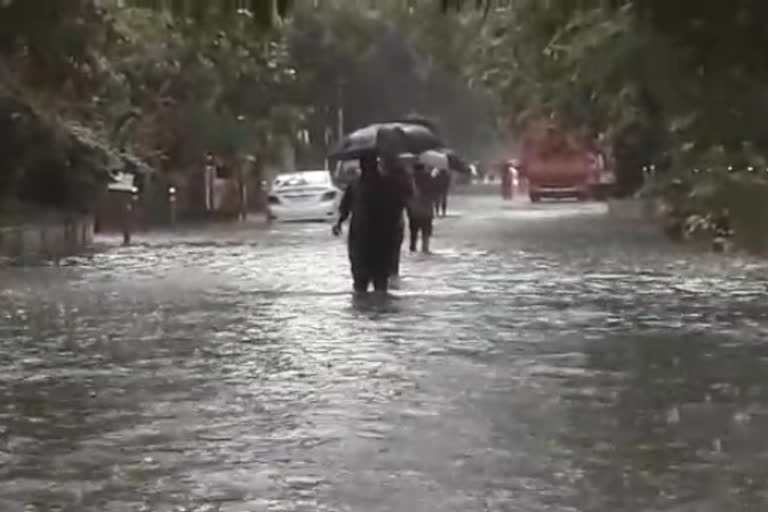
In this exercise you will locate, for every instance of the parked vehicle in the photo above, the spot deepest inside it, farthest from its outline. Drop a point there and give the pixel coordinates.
(555, 165)
(304, 196)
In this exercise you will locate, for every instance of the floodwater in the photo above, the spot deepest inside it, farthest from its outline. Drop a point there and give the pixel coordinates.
(546, 358)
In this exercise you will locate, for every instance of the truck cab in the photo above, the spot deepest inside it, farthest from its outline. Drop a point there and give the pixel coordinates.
(556, 166)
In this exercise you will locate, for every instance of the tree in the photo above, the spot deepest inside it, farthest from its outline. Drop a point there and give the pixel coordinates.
(221, 12)
(139, 80)
(680, 85)
(381, 60)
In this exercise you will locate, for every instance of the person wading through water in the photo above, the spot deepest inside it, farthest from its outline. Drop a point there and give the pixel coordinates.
(421, 208)
(376, 201)
(442, 184)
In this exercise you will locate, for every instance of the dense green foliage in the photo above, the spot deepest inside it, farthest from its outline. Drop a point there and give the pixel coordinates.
(222, 12)
(678, 85)
(136, 80)
(383, 63)
(172, 80)
(692, 70)
(50, 67)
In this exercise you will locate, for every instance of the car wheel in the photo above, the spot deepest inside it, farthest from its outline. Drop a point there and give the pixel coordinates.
(535, 198)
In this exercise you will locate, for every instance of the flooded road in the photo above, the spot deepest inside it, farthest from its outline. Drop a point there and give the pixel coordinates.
(545, 359)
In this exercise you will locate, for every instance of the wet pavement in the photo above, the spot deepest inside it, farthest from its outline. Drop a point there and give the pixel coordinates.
(544, 359)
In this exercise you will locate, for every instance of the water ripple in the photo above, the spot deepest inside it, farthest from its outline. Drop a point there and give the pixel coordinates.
(543, 359)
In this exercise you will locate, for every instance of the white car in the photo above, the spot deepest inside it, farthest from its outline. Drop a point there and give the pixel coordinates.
(304, 196)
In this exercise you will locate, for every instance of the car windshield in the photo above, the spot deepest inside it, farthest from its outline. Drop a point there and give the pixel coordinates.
(308, 178)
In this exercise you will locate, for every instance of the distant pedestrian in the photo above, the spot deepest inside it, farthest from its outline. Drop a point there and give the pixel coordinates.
(242, 192)
(506, 181)
(209, 177)
(421, 208)
(442, 186)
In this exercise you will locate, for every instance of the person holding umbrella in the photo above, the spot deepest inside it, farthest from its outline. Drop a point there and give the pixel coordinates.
(447, 162)
(421, 208)
(376, 201)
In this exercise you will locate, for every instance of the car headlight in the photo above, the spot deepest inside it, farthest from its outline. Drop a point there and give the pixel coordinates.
(273, 200)
(329, 196)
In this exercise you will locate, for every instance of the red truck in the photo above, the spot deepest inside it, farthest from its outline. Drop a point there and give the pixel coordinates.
(555, 166)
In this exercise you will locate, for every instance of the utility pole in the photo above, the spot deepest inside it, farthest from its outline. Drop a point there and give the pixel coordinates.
(340, 107)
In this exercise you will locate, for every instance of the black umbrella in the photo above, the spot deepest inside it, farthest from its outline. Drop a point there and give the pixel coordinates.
(417, 138)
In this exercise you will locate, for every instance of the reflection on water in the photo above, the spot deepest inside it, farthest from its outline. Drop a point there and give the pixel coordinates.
(537, 362)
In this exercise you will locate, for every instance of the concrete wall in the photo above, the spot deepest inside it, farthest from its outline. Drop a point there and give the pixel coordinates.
(46, 241)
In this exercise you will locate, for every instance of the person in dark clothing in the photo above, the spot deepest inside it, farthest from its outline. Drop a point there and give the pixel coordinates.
(421, 208)
(394, 274)
(506, 181)
(442, 187)
(389, 144)
(375, 201)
